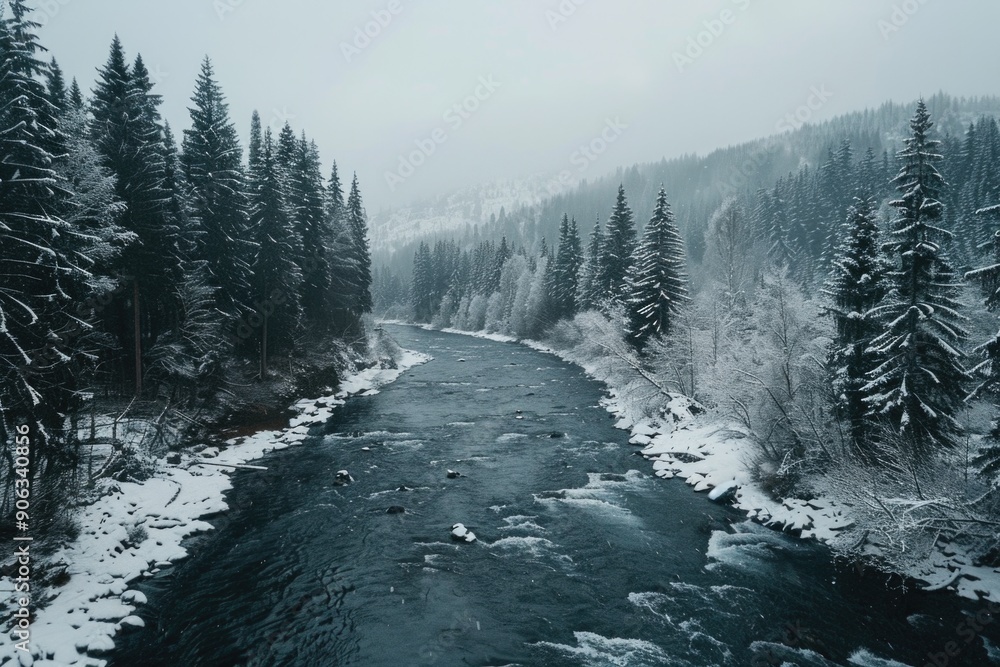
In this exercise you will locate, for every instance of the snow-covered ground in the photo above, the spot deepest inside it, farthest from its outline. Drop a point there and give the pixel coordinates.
(134, 530)
(717, 457)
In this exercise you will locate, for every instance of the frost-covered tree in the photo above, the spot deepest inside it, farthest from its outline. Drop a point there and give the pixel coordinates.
(45, 261)
(588, 294)
(856, 287)
(617, 250)
(920, 384)
(731, 238)
(987, 371)
(659, 284)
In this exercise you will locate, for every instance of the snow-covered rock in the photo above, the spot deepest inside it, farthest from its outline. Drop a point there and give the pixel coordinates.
(460, 533)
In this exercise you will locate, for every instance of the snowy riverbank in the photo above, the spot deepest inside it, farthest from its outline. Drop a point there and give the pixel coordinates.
(134, 530)
(717, 457)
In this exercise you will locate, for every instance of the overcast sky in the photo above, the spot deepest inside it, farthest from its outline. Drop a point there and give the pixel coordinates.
(550, 76)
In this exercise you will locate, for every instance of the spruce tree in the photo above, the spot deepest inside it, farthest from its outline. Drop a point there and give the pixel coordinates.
(40, 358)
(212, 161)
(658, 288)
(617, 250)
(357, 224)
(589, 294)
(342, 273)
(422, 286)
(256, 144)
(920, 384)
(55, 84)
(125, 129)
(307, 197)
(76, 95)
(276, 275)
(565, 271)
(988, 370)
(857, 286)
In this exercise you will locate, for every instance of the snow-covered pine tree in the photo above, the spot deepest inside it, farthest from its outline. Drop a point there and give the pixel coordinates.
(39, 371)
(857, 285)
(658, 287)
(836, 192)
(276, 275)
(76, 95)
(920, 383)
(285, 150)
(212, 160)
(588, 294)
(255, 144)
(55, 85)
(341, 257)
(617, 250)
(309, 213)
(422, 286)
(988, 370)
(125, 128)
(565, 271)
(357, 224)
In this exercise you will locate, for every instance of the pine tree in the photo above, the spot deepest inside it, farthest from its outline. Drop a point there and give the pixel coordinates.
(276, 275)
(256, 144)
(309, 213)
(617, 250)
(76, 95)
(920, 383)
(857, 286)
(565, 272)
(55, 84)
(343, 273)
(357, 224)
(125, 129)
(658, 287)
(40, 355)
(421, 289)
(212, 157)
(589, 295)
(988, 370)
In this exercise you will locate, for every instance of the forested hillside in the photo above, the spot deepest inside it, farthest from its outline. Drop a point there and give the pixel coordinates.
(799, 164)
(150, 281)
(842, 315)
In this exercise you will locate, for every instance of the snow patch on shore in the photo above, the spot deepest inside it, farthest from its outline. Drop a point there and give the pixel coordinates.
(87, 612)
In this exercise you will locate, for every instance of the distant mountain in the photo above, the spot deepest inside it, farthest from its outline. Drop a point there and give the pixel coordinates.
(696, 185)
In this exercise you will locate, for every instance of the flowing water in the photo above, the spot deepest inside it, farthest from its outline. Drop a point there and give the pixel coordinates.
(583, 557)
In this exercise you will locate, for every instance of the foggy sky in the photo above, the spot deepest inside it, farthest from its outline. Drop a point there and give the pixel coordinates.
(551, 76)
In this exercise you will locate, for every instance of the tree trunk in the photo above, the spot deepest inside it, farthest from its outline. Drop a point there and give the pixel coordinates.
(138, 333)
(263, 348)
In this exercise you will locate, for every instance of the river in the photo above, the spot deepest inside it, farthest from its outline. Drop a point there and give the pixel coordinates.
(583, 557)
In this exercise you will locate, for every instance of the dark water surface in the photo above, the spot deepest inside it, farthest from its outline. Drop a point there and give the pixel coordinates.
(583, 557)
